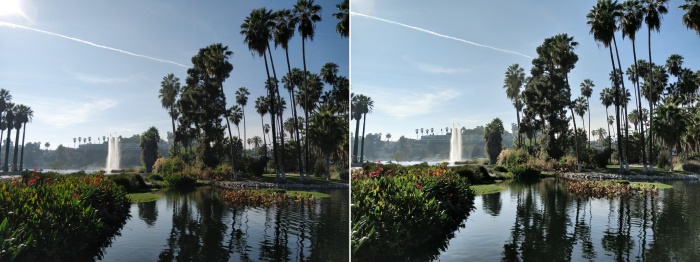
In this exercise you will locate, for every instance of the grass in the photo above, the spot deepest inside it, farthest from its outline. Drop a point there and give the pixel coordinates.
(636, 184)
(486, 189)
(313, 193)
(142, 197)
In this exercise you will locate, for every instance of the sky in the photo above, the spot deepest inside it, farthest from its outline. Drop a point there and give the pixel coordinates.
(432, 64)
(93, 68)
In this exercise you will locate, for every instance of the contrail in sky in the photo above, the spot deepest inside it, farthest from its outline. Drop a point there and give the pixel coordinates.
(437, 34)
(11, 25)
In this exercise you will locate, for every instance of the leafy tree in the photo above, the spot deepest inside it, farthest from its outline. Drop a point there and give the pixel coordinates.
(493, 135)
(326, 133)
(149, 148)
(691, 18)
(669, 123)
(218, 68)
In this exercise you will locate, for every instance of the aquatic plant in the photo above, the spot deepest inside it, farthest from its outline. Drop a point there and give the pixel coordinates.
(264, 198)
(608, 189)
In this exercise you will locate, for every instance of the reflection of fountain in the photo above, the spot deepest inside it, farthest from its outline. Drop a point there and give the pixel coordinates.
(112, 154)
(456, 145)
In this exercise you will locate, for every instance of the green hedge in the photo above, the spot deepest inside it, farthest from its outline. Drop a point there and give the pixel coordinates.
(525, 172)
(474, 172)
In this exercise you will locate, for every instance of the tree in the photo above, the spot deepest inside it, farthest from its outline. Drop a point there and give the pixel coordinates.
(169, 91)
(27, 114)
(326, 133)
(343, 15)
(388, 136)
(74, 139)
(514, 80)
(580, 107)
(235, 114)
(242, 100)
(587, 91)
(368, 105)
(634, 118)
(306, 14)
(630, 23)
(149, 148)
(669, 124)
(261, 106)
(47, 145)
(5, 99)
(602, 20)
(10, 120)
(416, 133)
(653, 10)
(691, 18)
(493, 135)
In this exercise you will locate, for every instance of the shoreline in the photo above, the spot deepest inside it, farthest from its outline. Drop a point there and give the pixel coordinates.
(634, 177)
(262, 185)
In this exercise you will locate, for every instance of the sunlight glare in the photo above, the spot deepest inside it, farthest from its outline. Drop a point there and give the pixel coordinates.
(11, 7)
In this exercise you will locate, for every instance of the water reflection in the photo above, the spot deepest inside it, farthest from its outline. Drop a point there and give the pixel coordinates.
(548, 224)
(197, 226)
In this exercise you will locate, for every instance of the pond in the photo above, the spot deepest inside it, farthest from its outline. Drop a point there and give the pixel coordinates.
(541, 222)
(197, 226)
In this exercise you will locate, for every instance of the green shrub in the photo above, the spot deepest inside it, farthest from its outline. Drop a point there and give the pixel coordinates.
(500, 168)
(180, 181)
(223, 171)
(663, 161)
(525, 172)
(601, 158)
(406, 211)
(691, 167)
(168, 165)
(155, 177)
(253, 166)
(131, 182)
(474, 172)
(510, 158)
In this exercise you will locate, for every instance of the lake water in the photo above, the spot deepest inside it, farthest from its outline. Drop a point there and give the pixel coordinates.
(542, 222)
(197, 226)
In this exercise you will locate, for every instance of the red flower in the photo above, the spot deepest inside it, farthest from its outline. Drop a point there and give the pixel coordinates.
(108, 201)
(76, 195)
(379, 161)
(450, 194)
(419, 186)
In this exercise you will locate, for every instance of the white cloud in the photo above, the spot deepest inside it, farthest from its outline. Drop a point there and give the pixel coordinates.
(63, 113)
(403, 103)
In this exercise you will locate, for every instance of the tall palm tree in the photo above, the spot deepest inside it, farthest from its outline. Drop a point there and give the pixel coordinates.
(587, 91)
(630, 23)
(5, 98)
(634, 118)
(256, 29)
(606, 98)
(74, 139)
(514, 80)
(343, 15)
(242, 100)
(572, 106)
(653, 10)
(19, 119)
(169, 91)
(291, 80)
(602, 21)
(235, 114)
(580, 107)
(369, 105)
(27, 115)
(261, 106)
(10, 120)
(306, 14)
(691, 18)
(359, 107)
(416, 133)
(219, 68)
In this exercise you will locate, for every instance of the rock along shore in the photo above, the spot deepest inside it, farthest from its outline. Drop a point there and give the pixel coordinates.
(259, 185)
(632, 177)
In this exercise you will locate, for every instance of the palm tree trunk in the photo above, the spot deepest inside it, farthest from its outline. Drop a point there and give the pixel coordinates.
(280, 116)
(362, 151)
(651, 108)
(328, 167)
(172, 118)
(21, 158)
(588, 100)
(306, 113)
(245, 137)
(608, 125)
(639, 106)
(294, 113)
(578, 160)
(14, 156)
(1, 134)
(6, 167)
(270, 95)
(262, 124)
(623, 96)
(617, 112)
(357, 138)
(517, 115)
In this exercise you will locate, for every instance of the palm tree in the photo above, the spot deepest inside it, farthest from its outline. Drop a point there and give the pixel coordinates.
(266, 130)
(291, 80)
(90, 139)
(653, 10)
(630, 23)
(10, 120)
(169, 91)
(572, 106)
(19, 119)
(5, 99)
(343, 15)
(242, 100)
(670, 124)
(691, 18)
(27, 115)
(514, 80)
(587, 91)
(606, 98)
(306, 14)
(47, 145)
(235, 114)
(357, 111)
(416, 133)
(256, 29)
(289, 127)
(388, 136)
(602, 21)
(104, 138)
(74, 139)
(261, 106)
(580, 107)
(634, 118)
(369, 105)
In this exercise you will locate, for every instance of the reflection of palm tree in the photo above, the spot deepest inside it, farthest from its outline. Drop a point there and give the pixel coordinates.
(492, 203)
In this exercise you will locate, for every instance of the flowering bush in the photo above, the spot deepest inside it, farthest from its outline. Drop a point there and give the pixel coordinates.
(406, 209)
(64, 216)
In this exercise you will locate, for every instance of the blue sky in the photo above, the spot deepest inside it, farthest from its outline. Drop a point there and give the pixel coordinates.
(420, 80)
(79, 90)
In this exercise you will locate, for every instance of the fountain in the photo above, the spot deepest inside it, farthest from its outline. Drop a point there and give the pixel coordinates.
(112, 154)
(456, 145)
